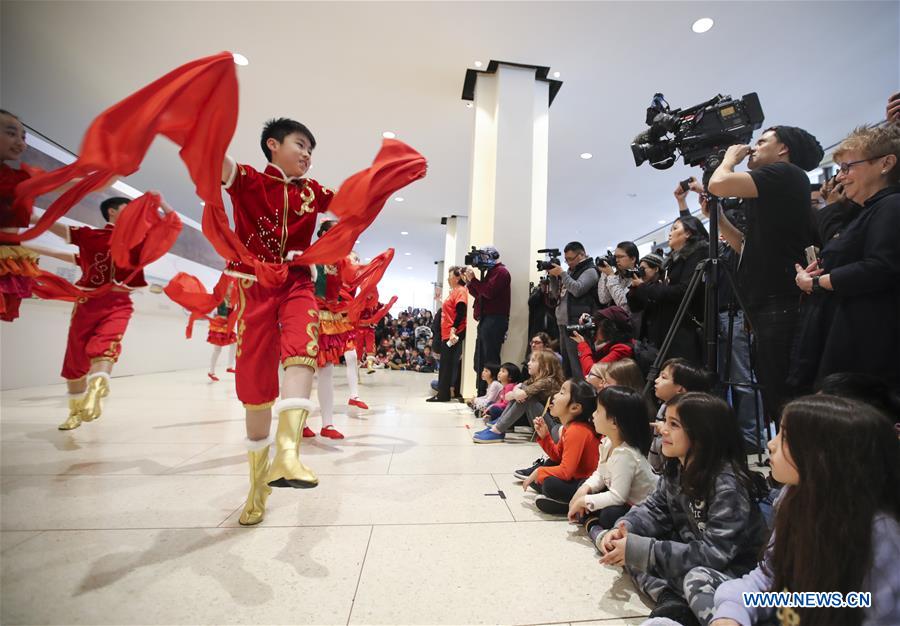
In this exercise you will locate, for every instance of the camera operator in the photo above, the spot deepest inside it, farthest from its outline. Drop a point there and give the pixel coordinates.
(577, 295)
(734, 365)
(645, 322)
(612, 287)
(492, 296)
(658, 300)
(780, 226)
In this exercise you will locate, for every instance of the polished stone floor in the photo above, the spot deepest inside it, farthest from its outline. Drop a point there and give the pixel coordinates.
(132, 519)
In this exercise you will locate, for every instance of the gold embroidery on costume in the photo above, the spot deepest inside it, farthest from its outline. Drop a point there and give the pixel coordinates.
(259, 407)
(306, 361)
(244, 283)
(307, 196)
(312, 331)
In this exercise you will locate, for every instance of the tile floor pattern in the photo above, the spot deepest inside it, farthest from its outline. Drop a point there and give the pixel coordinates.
(132, 519)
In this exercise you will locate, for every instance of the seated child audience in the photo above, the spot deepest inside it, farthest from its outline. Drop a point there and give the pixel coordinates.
(837, 522)
(400, 359)
(703, 511)
(527, 399)
(489, 375)
(623, 477)
(676, 377)
(429, 363)
(509, 376)
(575, 456)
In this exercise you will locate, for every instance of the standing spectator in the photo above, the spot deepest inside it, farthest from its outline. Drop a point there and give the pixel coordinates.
(856, 287)
(659, 299)
(780, 226)
(577, 290)
(492, 296)
(453, 331)
(612, 287)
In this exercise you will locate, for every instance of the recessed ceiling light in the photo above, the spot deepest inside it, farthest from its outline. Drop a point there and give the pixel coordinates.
(368, 258)
(240, 59)
(586, 155)
(478, 63)
(388, 134)
(662, 221)
(357, 242)
(407, 253)
(468, 105)
(409, 267)
(555, 74)
(702, 25)
(403, 232)
(398, 199)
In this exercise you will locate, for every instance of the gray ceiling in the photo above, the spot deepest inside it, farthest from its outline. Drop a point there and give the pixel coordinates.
(352, 70)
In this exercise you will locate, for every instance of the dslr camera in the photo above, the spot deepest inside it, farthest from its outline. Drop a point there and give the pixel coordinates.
(586, 330)
(552, 260)
(609, 259)
(698, 132)
(480, 258)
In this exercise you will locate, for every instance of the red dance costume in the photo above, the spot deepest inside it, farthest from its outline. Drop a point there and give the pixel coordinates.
(274, 216)
(221, 330)
(18, 266)
(336, 331)
(98, 324)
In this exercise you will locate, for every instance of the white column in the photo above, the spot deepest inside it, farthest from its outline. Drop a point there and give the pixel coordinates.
(508, 204)
(456, 241)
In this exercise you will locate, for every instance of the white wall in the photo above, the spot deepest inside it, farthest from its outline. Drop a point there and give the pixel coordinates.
(32, 347)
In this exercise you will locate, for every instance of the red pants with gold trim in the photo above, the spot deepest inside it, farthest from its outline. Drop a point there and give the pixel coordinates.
(96, 331)
(275, 325)
(365, 341)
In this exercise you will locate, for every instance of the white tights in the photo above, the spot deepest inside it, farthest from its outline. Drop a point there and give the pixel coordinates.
(325, 390)
(352, 373)
(217, 350)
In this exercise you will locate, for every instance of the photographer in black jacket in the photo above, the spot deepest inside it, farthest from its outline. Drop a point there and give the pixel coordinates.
(780, 226)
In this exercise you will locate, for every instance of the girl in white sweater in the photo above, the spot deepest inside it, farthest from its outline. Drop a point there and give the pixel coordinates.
(623, 477)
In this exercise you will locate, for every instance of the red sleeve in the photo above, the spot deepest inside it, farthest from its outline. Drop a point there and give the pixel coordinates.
(575, 440)
(242, 175)
(618, 352)
(585, 357)
(553, 450)
(75, 235)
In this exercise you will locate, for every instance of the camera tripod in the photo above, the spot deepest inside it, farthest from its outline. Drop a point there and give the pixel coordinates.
(708, 271)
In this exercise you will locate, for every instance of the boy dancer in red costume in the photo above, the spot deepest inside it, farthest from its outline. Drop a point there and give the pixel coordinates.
(98, 324)
(275, 214)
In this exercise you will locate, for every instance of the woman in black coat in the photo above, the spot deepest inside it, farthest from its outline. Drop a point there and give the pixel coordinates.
(659, 299)
(851, 322)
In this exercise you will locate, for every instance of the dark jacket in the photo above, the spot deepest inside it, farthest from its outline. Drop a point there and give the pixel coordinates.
(658, 300)
(856, 327)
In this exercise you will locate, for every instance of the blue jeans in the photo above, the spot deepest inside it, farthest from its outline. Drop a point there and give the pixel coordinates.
(740, 398)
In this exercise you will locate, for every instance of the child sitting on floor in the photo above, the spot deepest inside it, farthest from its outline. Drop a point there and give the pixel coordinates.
(623, 477)
(576, 454)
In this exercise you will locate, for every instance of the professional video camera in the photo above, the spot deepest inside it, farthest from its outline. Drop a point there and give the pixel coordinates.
(481, 258)
(698, 132)
(552, 261)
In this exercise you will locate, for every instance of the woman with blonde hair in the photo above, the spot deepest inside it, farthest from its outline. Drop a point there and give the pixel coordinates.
(545, 377)
(852, 319)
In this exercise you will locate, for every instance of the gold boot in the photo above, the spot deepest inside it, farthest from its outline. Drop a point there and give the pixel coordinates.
(74, 419)
(97, 389)
(255, 507)
(286, 469)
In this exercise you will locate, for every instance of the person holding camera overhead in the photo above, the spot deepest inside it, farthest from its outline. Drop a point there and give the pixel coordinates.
(492, 297)
(658, 299)
(577, 295)
(615, 278)
(780, 226)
